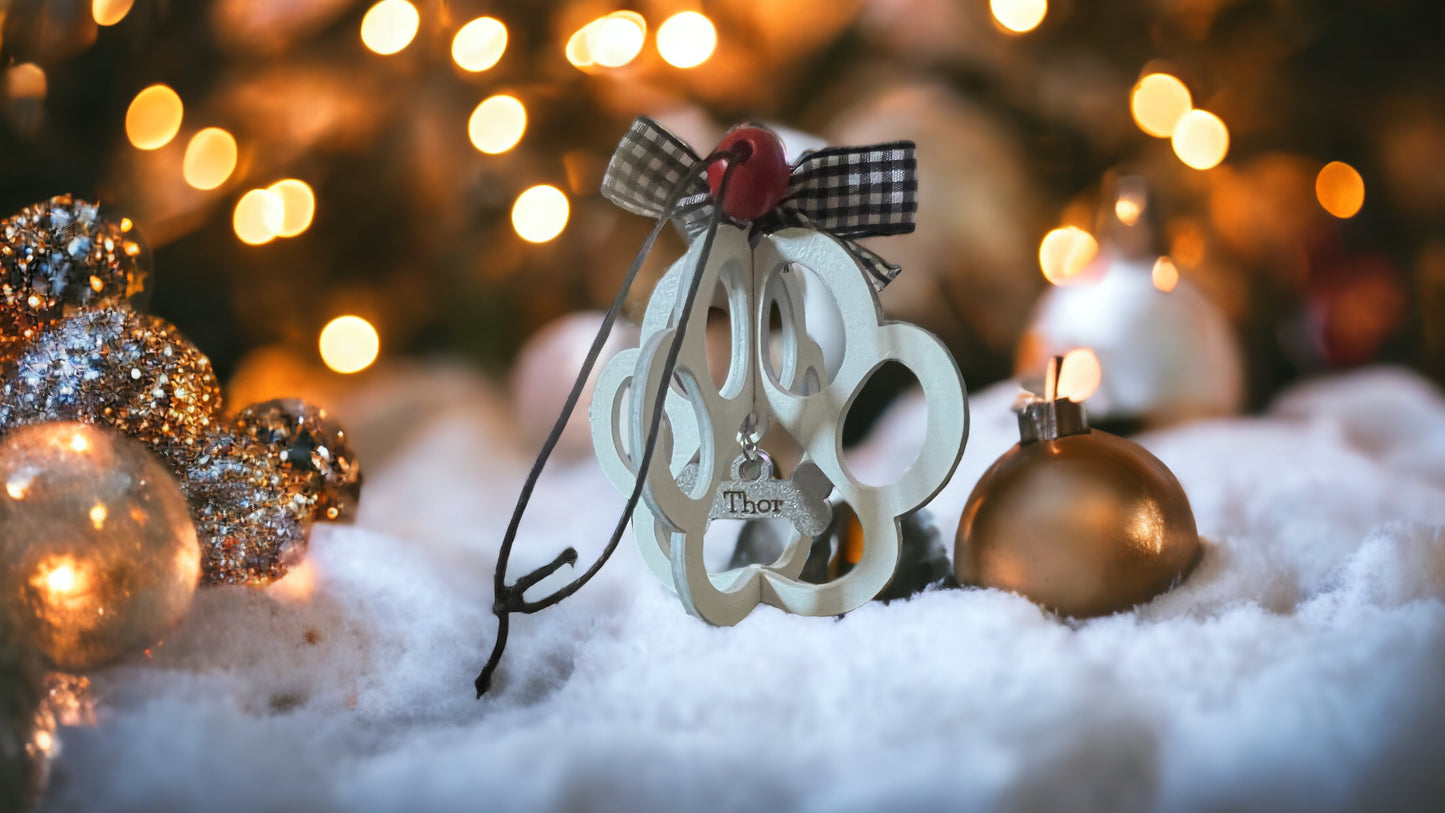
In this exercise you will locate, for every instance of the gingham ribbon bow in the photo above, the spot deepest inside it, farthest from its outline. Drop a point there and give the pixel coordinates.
(849, 192)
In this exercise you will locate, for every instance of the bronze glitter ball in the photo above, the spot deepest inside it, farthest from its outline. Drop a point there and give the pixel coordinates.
(252, 518)
(1080, 521)
(119, 368)
(60, 256)
(262, 481)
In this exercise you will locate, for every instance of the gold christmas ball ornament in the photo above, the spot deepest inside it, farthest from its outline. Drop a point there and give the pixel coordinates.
(100, 556)
(1082, 522)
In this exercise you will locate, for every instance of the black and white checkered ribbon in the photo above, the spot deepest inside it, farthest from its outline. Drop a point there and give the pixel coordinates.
(849, 192)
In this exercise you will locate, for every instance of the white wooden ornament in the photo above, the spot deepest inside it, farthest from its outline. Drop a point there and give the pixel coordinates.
(708, 431)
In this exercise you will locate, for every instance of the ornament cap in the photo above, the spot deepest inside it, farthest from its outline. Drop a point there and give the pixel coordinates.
(1051, 420)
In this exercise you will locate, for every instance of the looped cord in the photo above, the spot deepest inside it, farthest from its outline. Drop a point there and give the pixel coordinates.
(509, 598)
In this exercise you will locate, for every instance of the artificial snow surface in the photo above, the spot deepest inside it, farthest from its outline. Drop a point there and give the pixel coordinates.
(1300, 667)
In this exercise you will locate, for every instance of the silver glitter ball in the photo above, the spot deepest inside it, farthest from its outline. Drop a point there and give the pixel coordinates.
(60, 256)
(118, 368)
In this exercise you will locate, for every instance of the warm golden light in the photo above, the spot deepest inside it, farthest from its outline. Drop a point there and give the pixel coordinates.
(389, 26)
(259, 216)
(479, 44)
(540, 213)
(1127, 210)
(1079, 375)
(78, 443)
(497, 124)
(1065, 252)
(1340, 189)
(349, 344)
(18, 487)
(58, 577)
(154, 117)
(110, 12)
(576, 49)
(298, 206)
(98, 513)
(1165, 275)
(686, 40)
(1200, 139)
(210, 158)
(617, 39)
(1019, 16)
(25, 81)
(1158, 101)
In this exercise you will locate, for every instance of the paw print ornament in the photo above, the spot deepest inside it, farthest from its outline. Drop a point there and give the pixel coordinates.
(711, 433)
(785, 220)
(687, 451)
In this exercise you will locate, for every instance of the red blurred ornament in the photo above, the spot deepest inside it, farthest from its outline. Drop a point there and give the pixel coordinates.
(760, 181)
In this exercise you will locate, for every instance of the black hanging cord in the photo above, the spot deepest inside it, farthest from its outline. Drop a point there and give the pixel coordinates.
(509, 599)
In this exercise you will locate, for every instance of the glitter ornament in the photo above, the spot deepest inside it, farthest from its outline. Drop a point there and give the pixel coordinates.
(117, 367)
(60, 256)
(259, 484)
(308, 449)
(99, 550)
(1080, 521)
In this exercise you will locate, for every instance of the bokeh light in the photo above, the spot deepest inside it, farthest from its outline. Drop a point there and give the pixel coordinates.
(210, 158)
(1065, 252)
(479, 44)
(390, 26)
(1200, 139)
(540, 213)
(686, 40)
(154, 117)
(497, 124)
(1165, 274)
(1340, 189)
(25, 81)
(1157, 103)
(349, 344)
(615, 40)
(298, 206)
(1079, 375)
(1019, 16)
(259, 216)
(110, 12)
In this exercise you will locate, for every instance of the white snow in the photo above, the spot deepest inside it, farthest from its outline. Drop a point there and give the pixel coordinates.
(1300, 667)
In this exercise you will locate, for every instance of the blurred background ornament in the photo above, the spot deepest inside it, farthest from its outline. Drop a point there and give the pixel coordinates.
(27, 728)
(539, 385)
(132, 372)
(100, 554)
(1168, 353)
(261, 482)
(1080, 521)
(63, 255)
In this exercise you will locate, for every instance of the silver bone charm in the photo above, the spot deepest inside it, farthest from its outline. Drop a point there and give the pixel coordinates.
(754, 493)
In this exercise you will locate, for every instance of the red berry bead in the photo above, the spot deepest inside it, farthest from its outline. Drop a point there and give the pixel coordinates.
(760, 181)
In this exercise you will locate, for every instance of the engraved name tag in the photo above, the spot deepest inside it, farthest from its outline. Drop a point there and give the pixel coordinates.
(753, 493)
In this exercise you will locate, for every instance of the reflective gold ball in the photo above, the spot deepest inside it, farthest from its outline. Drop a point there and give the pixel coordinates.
(1086, 525)
(98, 556)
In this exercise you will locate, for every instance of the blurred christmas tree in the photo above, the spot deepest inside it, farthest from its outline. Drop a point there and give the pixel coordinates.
(305, 159)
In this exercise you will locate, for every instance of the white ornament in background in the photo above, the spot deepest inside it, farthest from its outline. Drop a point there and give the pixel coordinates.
(541, 381)
(705, 427)
(1165, 356)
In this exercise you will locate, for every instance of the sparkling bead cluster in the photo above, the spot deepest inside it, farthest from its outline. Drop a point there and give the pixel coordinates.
(59, 256)
(72, 348)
